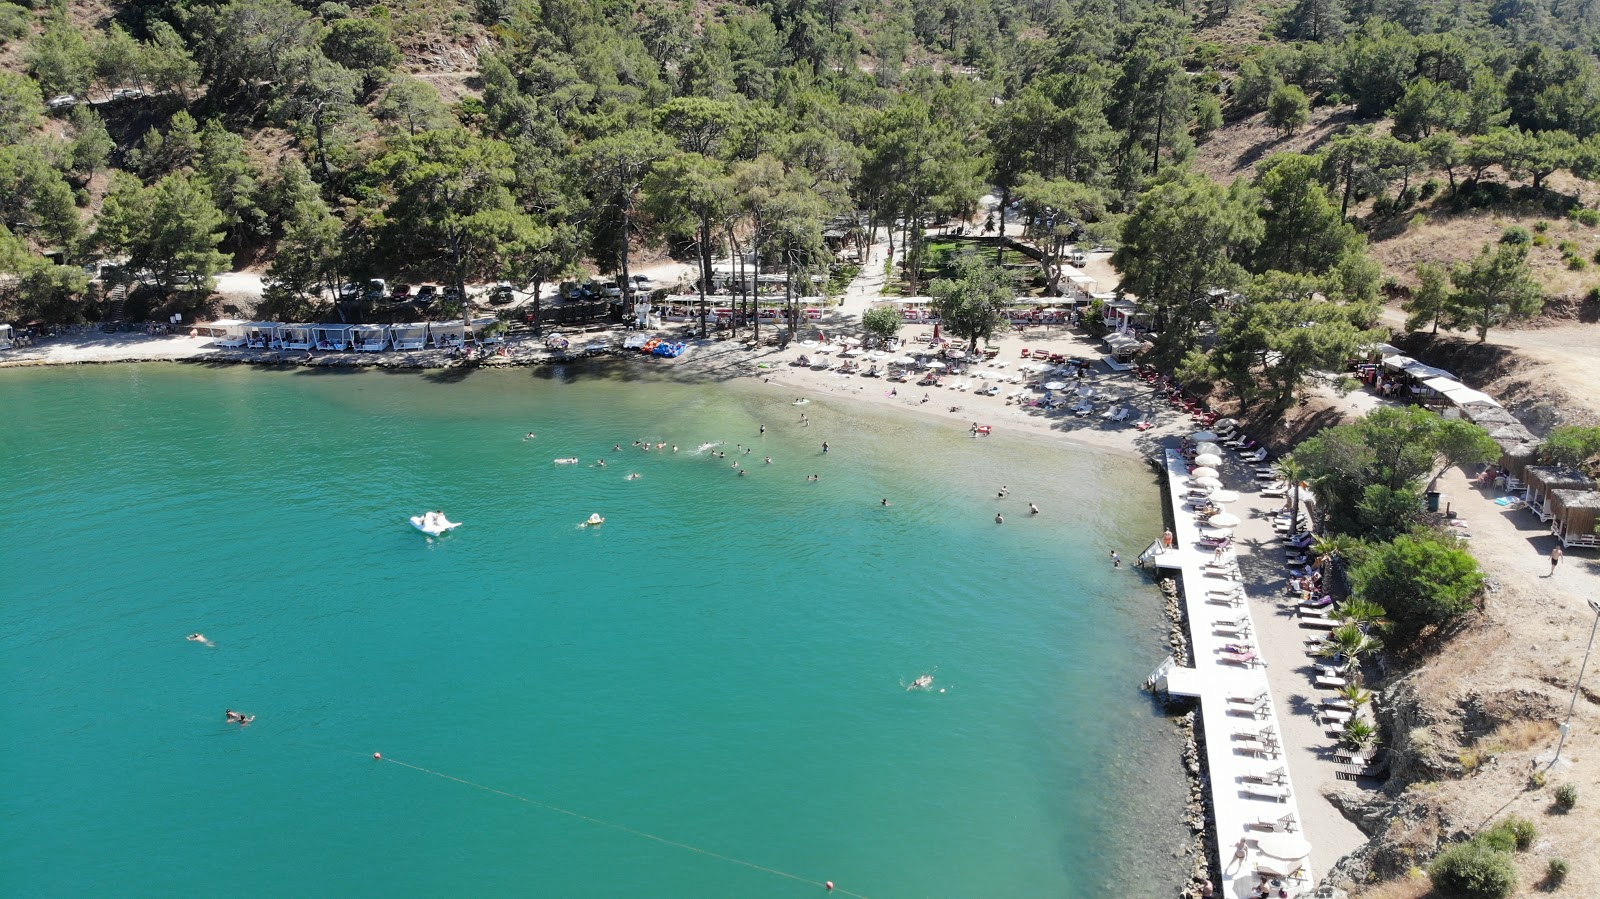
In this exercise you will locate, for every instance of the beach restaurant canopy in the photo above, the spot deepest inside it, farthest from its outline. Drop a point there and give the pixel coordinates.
(1456, 392)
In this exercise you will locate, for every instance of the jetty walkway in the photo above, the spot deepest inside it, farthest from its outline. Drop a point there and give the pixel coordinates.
(1256, 818)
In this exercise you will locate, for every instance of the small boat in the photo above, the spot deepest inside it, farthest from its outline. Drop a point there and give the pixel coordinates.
(593, 521)
(433, 523)
(921, 683)
(570, 460)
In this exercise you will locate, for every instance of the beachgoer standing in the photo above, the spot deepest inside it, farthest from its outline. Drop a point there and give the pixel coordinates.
(1116, 560)
(1555, 559)
(1033, 509)
(1166, 538)
(999, 519)
(824, 446)
(763, 430)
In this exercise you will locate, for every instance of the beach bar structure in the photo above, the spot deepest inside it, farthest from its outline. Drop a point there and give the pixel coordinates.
(332, 337)
(1574, 514)
(411, 336)
(261, 335)
(1541, 479)
(369, 338)
(296, 337)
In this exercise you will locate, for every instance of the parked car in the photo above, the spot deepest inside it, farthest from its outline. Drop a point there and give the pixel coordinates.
(127, 93)
(61, 101)
(502, 293)
(401, 292)
(427, 293)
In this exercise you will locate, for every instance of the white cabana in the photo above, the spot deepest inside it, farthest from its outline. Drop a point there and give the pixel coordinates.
(261, 335)
(296, 337)
(412, 336)
(229, 333)
(443, 335)
(332, 337)
(369, 338)
(1422, 372)
(6, 337)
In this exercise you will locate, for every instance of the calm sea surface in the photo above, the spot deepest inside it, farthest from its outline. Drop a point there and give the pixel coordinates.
(722, 664)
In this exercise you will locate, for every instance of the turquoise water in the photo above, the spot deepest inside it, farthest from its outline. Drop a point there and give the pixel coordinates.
(721, 664)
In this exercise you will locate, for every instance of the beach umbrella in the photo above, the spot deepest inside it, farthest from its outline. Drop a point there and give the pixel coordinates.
(1223, 520)
(1203, 472)
(1208, 449)
(956, 354)
(1208, 483)
(1224, 496)
(1224, 424)
(852, 341)
(1210, 459)
(1287, 846)
(1055, 385)
(852, 351)
(1203, 436)
(808, 343)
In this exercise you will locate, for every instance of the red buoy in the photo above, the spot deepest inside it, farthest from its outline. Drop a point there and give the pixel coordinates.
(378, 756)
(829, 885)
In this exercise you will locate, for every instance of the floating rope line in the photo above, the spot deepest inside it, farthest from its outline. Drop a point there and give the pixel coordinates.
(828, 885)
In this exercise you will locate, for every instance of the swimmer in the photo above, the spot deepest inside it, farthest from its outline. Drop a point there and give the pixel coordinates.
(232, 715)
(1116, 560)
(747, 451)
(600, 462)
(921, 683)
(674, 447)
(763, 429)
(661, 446)
(885, 501)
(769, 460)
(530, 436)
(742, 472)
(200, 638)
(616, 447)
(999, 519)
(1033, 509)
(634, 476)
(245, 722)
(734, 465)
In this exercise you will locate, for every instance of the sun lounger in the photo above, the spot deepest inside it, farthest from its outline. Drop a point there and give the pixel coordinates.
(1338, 704)
(1257, 699)
(1319, 623)
(1232, 630)
(1275, 792)
(1232, 600)
(1265, 775)
(1247, 659)
(1328, 682)
(1286, 824)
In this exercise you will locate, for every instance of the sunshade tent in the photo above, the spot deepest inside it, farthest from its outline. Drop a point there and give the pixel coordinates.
(1055, 385)
(1203, 472)
(1210, 483)
(1211, 459)
(1224, 496)
(1287, 846)
(1208, 449)
(1203, 436)
(1223, 520)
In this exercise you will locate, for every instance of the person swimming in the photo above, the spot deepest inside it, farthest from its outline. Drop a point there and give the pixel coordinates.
(1033, 509)
(885, 501)
(530, 436)
(633, 477)
(921, 683)
(200, 638)
(600, 462)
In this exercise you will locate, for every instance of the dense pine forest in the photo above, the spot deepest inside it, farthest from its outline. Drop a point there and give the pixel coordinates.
(535, 140)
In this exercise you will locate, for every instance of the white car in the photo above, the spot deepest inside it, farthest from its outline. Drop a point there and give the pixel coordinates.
(127, 93)
(61, 101)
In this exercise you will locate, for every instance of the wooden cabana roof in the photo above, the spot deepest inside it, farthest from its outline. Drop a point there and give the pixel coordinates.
(1575, 511)
(1557, 477)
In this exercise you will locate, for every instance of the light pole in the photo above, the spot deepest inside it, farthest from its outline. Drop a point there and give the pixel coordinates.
(1566, 726)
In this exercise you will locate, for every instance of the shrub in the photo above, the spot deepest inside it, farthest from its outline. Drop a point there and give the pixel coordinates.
(1568, 247)
(1597, 256)
(1566, 797)
(1590, 217)
(1473, 871)
(1541, 226)
(1555, 873)
(1577, 263)
(1417, 221)
(1516, 234)
(1540, 240)
(1431, 187)
(1512, 834)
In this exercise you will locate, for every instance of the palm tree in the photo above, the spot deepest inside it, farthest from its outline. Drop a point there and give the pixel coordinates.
(1359, 735)
(1363, 613)
(1355, 694)
(1350, 641)
(1292, 473)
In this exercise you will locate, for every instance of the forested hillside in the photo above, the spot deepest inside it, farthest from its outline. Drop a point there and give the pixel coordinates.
(528, 140)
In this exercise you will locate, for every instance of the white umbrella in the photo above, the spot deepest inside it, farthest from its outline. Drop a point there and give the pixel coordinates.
(852, 341)
(808, 343)
(956, 354)
(1203, 436)
(1224, 496)
(1287, 846)
(936, 364)
(1203, 471)
(1211, 483)
(877, 354)
(1208, 449)
(1211, 459)
(1225, 424)
(1055, 385)
(852, 351)
(1223, 520)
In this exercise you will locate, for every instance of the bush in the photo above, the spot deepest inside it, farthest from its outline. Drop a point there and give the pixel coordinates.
(1577, 263)
(1540, 240)
(1421, 579)
(1511, 835)
(1567, 797)
(1430, 188)
(1473, 871)
(1590, 217)
(1555, 873)
(1568, 247)
(1516, 234)
(1541, 226)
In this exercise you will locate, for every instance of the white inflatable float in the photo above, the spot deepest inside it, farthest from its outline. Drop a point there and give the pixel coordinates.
(433, 523)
